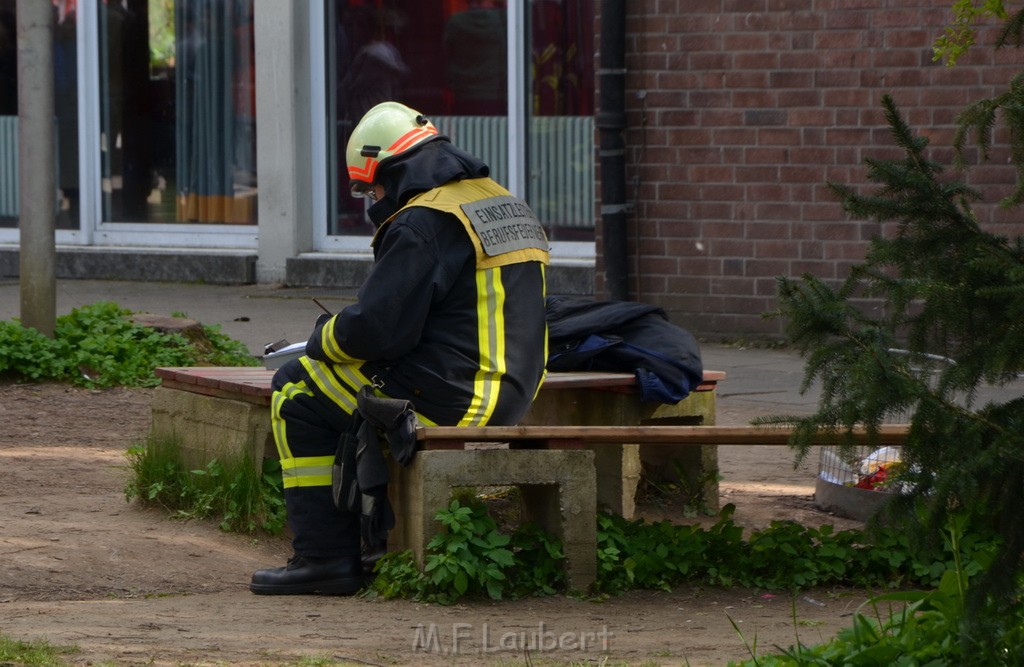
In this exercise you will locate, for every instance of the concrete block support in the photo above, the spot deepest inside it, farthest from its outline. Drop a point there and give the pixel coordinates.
(619, 468)
(694, 468)
(558, 489)
(208, 427)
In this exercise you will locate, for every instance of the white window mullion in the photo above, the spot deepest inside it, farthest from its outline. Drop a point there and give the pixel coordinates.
(90, 205)
(318, 121)
(518, 72)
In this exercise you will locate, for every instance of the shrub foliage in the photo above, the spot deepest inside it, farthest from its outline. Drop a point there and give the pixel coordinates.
(99, 346)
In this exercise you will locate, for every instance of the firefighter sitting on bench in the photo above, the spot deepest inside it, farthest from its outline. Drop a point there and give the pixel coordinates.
(450, 319)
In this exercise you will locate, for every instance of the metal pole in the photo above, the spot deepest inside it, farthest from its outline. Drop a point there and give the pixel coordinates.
(37, 185)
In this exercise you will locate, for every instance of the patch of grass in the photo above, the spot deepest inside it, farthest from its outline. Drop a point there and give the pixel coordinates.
(33, 653)
(235, 493)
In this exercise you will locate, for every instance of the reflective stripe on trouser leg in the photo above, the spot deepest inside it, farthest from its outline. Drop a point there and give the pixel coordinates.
(306, 432)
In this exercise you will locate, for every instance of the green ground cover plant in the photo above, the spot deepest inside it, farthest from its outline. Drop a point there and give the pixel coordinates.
(99, 346)
(913, 628)
(235, 493)
(472, 557)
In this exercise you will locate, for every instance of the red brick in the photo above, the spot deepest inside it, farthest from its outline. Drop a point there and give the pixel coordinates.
(746, 99)
(846, 20)
(819, 269)
(734, 136)
(804, 117)
(711, 99)
(794, 99)
(772, 155)
(839, 39)
(744, 6)
(772, 136)
(791, 79)
(835, 78)
(802, 20)
(758, 60)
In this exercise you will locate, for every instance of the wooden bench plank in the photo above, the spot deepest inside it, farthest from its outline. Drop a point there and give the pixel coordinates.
(600, 380)
(253, 381)
(888, 434)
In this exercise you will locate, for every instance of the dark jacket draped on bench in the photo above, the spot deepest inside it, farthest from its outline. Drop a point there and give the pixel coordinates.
(624, 337)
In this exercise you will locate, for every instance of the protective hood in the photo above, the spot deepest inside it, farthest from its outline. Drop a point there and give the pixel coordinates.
(434, 164)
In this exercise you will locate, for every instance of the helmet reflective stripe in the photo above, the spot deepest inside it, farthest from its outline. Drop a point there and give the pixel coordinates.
(388, 124)
(368, 171)
(411, 138)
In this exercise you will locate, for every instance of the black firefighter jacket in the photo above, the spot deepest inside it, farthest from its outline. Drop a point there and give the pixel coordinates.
(465, 344)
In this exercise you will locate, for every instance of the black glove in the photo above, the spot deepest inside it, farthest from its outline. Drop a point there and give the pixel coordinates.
(344, 484)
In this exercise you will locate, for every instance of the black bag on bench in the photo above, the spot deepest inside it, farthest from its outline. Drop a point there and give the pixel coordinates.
(624, 337)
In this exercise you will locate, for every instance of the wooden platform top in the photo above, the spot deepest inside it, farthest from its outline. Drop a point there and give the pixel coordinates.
(253, 384)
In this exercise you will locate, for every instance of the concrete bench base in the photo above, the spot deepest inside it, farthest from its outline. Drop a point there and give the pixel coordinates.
(206, 427)
(558, 493)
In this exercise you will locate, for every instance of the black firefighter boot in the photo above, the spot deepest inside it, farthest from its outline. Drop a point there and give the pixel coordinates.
(334, 576)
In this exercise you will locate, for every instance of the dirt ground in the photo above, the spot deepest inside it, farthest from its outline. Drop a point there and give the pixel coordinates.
(129, 586)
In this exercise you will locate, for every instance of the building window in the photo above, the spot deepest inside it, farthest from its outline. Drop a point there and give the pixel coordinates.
(449, 59)
(65, 81)
(560, 158)
(177, 109)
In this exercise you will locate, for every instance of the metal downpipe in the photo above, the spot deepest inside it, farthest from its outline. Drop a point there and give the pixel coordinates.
(611, 123)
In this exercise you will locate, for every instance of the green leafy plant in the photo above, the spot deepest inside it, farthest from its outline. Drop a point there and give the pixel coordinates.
(397, 576)
(784, 556)
(958, 38)
(471, 557)
(539, 563)
(235, 493)
(99, 346)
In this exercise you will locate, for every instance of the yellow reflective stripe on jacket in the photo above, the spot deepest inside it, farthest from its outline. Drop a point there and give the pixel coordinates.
(307, 471)
(490, 309)
(352, 375)
(544, 371)
(330, 345)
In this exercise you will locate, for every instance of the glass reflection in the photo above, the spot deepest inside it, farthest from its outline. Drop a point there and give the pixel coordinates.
(65, 80)
(448, 58)
(178, 137)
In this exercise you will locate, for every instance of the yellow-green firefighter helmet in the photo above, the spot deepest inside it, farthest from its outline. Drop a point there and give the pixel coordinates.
(385, 131)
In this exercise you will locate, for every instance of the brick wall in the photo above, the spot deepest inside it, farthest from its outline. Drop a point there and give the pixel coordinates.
(739, 111)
